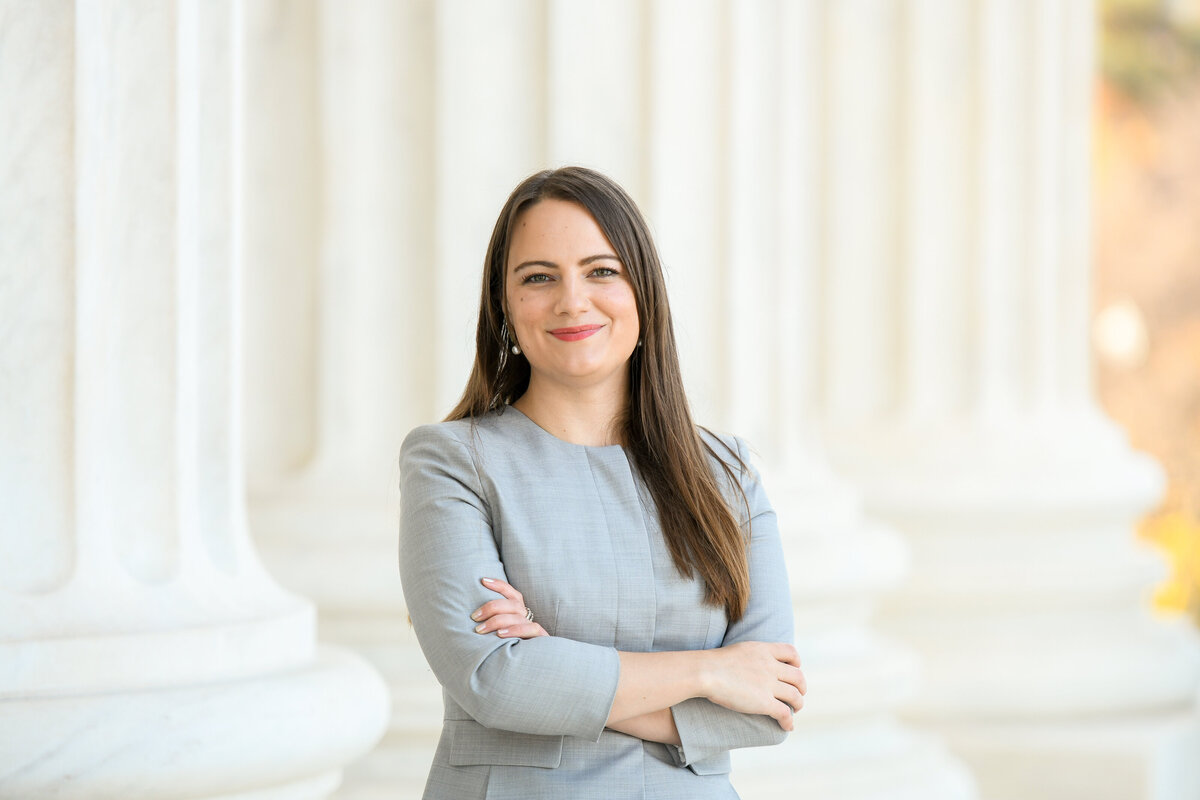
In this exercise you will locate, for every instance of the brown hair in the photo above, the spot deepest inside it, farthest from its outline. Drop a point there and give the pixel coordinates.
(701, 530)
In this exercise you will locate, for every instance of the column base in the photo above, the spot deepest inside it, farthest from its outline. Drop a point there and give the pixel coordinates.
(292, 532)
(1142, 757)
(396, 768)
(276, 736)
(316, 788)
(855, 760)
(366, 614)
(399, 764)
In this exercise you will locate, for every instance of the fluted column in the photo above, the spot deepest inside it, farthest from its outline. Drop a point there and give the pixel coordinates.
(146, 654)
(738, 217)
(958, 399)
(341, 346)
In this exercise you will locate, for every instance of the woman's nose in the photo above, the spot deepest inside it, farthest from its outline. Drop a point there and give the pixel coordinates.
(572, 296)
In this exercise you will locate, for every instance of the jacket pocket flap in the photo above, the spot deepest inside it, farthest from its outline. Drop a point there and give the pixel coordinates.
(471, 743)
(713, 765)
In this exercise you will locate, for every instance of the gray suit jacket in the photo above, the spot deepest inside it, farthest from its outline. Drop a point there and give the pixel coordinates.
(575, 530)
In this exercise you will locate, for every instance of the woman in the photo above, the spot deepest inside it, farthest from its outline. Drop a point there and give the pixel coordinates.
(597, 583)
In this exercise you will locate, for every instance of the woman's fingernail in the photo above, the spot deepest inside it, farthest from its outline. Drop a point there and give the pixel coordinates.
(475, 616)
(479, 628)
(488, 580)
(502, 631)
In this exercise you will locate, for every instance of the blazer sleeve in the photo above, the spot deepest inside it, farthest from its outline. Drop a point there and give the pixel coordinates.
(547, 685)
(705, 728)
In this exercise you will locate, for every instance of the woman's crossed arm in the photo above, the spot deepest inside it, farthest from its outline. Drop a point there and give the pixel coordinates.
(748, 677)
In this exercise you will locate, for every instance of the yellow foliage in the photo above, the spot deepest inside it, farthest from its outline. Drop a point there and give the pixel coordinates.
(1178, 533)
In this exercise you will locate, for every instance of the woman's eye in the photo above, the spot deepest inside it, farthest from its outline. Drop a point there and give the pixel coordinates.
(604, 272)
(537, 277)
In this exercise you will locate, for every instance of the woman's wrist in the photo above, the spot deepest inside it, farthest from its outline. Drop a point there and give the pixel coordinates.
(704, 673)
(697, 673)
(658, 680)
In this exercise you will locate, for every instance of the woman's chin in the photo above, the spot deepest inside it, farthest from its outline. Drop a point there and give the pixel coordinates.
(582, 373)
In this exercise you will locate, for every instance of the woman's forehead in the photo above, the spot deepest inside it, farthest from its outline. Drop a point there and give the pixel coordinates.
(554, 230)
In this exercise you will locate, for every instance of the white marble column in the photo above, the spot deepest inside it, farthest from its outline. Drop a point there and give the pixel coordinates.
(958, 399)
(743, 249)
(146, 654)
(341, 351)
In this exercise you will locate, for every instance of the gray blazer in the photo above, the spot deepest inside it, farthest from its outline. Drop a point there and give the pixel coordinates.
(575, 530)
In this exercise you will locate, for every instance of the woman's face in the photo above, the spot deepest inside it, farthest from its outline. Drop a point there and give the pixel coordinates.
(570, 305)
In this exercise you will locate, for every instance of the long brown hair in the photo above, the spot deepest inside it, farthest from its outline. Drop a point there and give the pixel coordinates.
(700, 528)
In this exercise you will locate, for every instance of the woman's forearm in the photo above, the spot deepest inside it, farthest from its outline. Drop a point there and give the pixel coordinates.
(748, 677)
(652, 682)
(657, 726)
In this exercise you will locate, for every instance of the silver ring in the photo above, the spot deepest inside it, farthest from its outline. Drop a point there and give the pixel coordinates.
(528, 614)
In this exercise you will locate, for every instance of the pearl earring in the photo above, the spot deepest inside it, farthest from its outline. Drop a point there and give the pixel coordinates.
(516, 351)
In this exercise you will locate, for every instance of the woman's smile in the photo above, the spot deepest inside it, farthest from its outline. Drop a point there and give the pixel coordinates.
(576, 333)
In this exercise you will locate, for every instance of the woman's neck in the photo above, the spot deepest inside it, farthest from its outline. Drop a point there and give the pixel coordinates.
(579, 416)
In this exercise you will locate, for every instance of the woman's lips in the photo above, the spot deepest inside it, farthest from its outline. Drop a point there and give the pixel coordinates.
(575, 334)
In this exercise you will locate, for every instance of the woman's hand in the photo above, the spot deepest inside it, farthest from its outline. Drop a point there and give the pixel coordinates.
(505, 617)
(756, 678)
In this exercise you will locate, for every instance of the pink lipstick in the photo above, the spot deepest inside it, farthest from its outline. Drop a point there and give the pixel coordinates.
(576, 333)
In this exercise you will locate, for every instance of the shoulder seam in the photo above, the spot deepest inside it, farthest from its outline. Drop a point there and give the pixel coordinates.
(448, 431)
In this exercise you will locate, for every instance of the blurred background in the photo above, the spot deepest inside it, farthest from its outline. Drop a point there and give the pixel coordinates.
(937, 260)
(1147, 263)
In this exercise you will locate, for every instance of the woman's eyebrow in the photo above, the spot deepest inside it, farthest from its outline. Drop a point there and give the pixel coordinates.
(599, 257)
(534, 263)
(551, 265)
